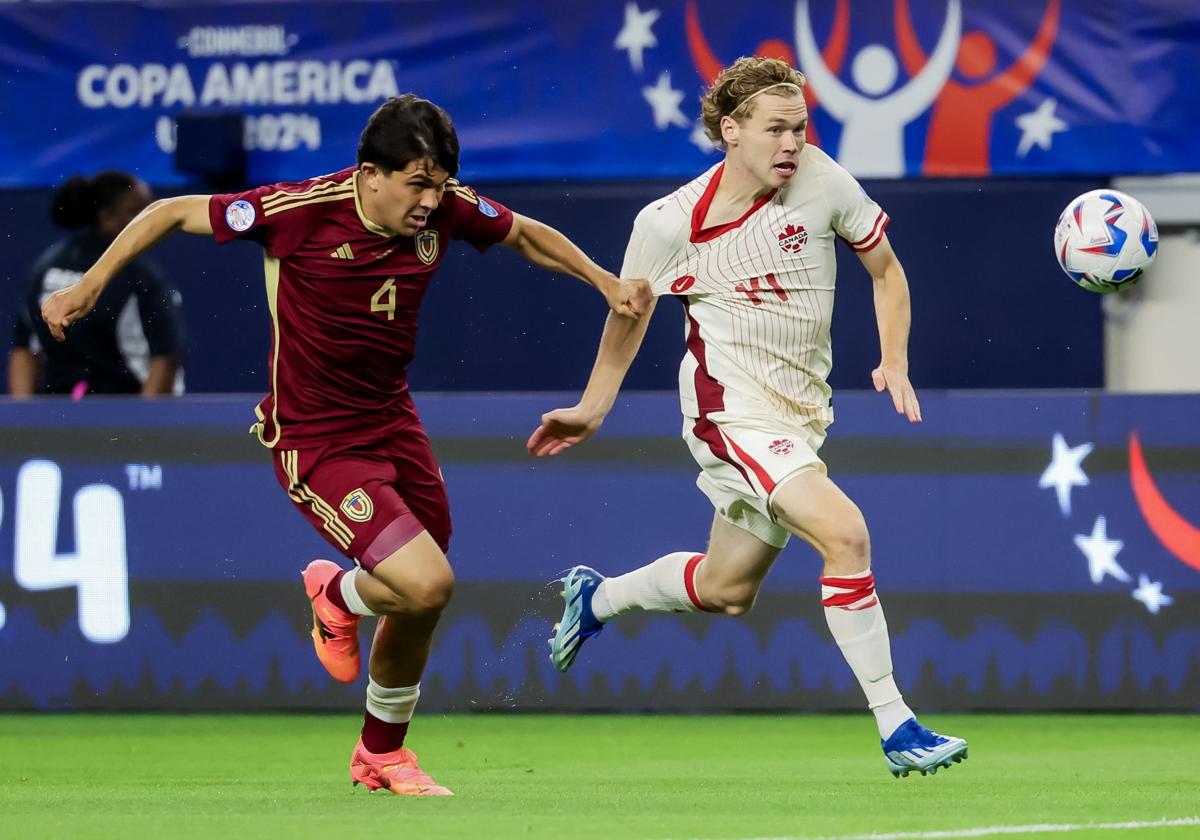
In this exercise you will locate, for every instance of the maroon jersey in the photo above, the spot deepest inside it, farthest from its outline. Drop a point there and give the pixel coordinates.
(343, 295)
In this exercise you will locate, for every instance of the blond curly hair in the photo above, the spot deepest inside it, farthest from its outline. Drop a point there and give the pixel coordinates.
(735, 87)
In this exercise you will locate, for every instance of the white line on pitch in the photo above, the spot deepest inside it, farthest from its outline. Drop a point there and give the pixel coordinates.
(990, 830)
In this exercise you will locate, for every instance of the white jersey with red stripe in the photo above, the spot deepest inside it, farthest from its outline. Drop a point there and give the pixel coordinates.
(758, 291)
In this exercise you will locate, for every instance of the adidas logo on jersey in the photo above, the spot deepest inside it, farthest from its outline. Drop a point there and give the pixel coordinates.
(343, 252)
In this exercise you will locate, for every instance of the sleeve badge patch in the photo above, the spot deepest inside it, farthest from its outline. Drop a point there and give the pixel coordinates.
(240, 215)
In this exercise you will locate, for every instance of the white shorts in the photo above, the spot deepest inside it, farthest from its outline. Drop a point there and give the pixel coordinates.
(743, 466)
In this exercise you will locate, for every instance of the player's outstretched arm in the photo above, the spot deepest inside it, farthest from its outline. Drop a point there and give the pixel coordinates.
(893, 313)
(565, 427)
(544, 246)
(188, 213)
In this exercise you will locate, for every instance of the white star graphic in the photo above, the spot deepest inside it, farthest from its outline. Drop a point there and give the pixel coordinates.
(1101, 553)
(700, 139)
(1064, 471)
(1039, 127)
(665, 100)
(1151, 594)
(635, 35)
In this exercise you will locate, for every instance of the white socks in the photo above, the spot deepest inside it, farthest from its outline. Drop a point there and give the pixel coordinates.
(666, 585)
(350, 593)
(856, 621)
(392, 705)
(890, 716)
(852, 611)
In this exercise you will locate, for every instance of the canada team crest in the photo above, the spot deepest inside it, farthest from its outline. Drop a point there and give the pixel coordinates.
(781, 447)
(358, 505)
(427, 246)
(793, 238)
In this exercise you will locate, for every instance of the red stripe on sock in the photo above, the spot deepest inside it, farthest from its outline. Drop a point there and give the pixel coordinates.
(845, 599)
(853, 589)
(849, 583)
(689, 581)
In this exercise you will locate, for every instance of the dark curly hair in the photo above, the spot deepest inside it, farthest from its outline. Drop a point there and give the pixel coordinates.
(408, 128)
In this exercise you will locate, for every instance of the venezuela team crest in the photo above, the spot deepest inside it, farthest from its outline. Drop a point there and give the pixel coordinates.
(427, 246)
(358, 505)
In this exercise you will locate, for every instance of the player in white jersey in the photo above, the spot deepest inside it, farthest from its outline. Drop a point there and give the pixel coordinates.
(748, 248)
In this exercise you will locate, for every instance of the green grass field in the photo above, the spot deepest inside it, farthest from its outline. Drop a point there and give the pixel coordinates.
(588, 777)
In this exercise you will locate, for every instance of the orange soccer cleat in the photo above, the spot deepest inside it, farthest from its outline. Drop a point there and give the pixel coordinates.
(396, 771)
(335, 631)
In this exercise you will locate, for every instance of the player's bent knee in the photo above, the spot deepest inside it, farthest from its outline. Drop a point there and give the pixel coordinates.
(844, 543)
(419, 577)
(432, 593)
(854, 540)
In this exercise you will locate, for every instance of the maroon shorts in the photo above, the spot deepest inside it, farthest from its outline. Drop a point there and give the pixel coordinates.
(368, 501)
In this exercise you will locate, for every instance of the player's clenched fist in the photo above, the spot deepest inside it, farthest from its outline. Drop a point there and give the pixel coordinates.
(66, 306)
(631, 298)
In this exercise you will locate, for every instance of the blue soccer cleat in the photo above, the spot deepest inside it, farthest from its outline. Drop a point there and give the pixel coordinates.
(913, 747)
(578, 621)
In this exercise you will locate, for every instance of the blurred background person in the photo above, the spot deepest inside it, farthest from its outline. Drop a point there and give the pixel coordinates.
(132, 343)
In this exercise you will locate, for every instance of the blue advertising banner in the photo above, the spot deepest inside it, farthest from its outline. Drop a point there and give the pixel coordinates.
(603, 90)
(1032, 550)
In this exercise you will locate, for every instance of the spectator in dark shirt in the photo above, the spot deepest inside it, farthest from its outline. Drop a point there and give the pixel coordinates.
(132, 342)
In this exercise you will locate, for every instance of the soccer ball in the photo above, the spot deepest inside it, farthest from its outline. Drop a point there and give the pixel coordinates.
(1104, 240)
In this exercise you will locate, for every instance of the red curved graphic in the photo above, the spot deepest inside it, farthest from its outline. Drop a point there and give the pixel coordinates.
(961, 127)
(839, 38)
(1177, 535)
(708, 65)
(706, 61)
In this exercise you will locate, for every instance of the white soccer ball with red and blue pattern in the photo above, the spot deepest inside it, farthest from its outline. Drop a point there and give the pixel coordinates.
(1105, 240)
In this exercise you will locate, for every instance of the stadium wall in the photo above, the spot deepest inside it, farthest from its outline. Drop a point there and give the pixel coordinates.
(991, 308)
(1150, 338)
(148, 559)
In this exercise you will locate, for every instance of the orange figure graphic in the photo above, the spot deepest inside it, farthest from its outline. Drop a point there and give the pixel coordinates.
(708, 65)
(961, 127)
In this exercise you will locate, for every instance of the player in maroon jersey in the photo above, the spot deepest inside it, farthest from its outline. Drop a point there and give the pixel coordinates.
(348, 257)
